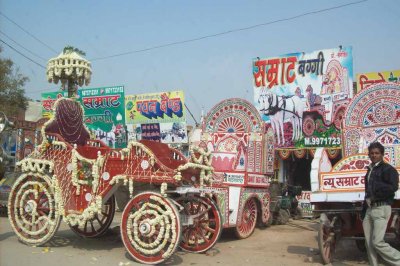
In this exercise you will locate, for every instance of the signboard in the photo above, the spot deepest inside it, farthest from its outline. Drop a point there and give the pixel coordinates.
(155, 108)
(305, 203)
(343, 181)
(105, 114)
(48, 100)
(234, 178)
(257, 180)
(156, 116)
(303, 96)
(161, 132)
(365, 80)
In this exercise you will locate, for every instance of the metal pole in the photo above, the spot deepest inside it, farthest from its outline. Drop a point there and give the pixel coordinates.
(197, 124)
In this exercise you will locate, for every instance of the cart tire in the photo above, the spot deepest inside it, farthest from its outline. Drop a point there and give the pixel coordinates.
(32, 209)
(150, 228)
(248, 219)
(282, 217)
(97, 226)
(326, 242)
(204, 233)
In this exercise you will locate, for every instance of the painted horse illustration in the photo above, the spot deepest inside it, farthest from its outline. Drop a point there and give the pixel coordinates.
(282, 108)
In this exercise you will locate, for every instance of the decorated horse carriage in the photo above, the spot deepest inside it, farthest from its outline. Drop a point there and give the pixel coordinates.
(72, 177)
(338, 191)
(243, 161)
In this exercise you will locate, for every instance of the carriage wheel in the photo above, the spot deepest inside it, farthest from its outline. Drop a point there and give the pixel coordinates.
(150, 228)
(207, 224)
(339, 118)
(308, 126)
(248, 219)
(32, 209)
(326, 242)
(97, 226)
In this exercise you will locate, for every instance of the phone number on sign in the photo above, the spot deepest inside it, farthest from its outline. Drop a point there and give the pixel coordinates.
(321, 141)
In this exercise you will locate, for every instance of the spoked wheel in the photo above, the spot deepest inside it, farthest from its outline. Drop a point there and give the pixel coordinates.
(97, 226)
(248, 219)
(207, 224)
(32, 211)
(151, 228)
(326, 242)
(308, 126)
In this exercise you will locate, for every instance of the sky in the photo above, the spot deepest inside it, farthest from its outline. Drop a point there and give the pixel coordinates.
(208, 70)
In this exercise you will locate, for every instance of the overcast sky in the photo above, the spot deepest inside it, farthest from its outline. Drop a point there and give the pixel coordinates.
(208, 70)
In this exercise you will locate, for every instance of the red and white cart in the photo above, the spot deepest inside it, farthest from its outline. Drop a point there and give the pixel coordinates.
(168, 206)
(338, 191)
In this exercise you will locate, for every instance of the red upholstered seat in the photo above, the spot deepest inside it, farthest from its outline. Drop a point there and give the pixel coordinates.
(68, 122)
(163, 153)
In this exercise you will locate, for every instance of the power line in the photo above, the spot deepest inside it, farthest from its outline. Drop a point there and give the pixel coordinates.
(27, 32)
(231, 31)
(26, 49)
(33, 61)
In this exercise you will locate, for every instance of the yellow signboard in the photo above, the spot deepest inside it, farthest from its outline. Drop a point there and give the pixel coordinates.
(367, 79)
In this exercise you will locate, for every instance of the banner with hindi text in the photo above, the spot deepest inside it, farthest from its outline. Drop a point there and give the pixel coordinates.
(48, 100)
(105, 114)
(303, 96)
(157, 116)
(367, 79)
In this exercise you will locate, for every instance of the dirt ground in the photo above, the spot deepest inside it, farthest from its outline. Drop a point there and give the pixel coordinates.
(291, 244)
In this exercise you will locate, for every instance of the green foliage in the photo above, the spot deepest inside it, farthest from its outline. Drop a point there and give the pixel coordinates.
(69, 49)
(12, 93)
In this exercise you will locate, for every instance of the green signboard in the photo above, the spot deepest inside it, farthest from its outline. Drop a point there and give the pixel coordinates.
(105, 114)
(48, 100)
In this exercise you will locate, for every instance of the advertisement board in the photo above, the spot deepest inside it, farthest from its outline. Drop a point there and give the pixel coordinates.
(303, 96)
(156, 116)
(365, 80)
(105, 114)
(48, 100)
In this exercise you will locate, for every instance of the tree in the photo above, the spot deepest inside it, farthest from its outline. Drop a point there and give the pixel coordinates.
(12, 93)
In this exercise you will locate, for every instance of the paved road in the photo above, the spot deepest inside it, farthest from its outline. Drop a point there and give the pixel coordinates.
(291, 244)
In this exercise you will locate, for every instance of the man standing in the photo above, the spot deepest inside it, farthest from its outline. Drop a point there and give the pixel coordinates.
(381, 184)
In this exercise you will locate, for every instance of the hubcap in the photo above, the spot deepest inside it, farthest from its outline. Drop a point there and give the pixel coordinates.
(145, 228)
(30, 207)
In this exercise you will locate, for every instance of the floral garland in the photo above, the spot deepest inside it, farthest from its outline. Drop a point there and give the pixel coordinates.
(43, 130)
(96, 165)
(163, 189)
(19, 207)
(139, 146)
(126, 180)
(73, 219)
(35, 165)
(203, 162)
(161, 218)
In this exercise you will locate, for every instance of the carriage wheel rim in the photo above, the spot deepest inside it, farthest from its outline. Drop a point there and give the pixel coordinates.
(32, 209)
(205, 232)
(248, 219)
(100, 223)
(144, 248)
(326, 243)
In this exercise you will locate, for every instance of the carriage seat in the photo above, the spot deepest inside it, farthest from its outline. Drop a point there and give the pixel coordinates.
(68, 122)
(163, 153)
